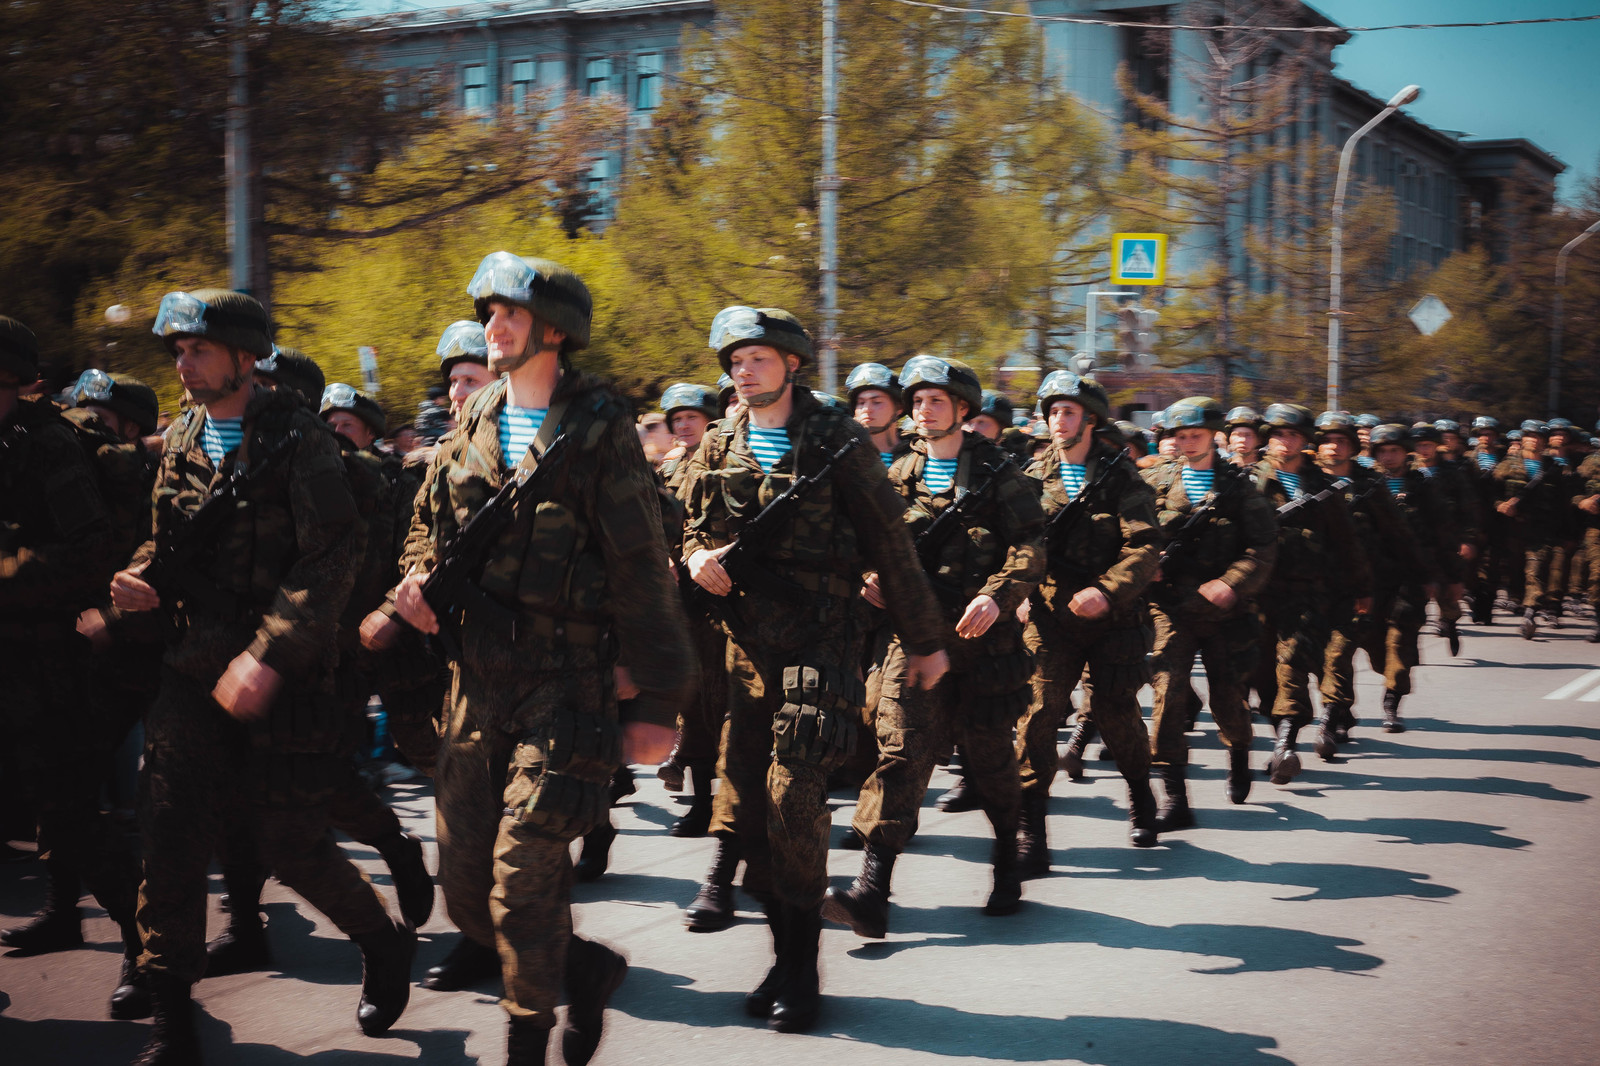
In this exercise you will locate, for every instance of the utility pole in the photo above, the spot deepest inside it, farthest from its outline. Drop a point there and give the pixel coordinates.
(1555, 316)
(237, 146)
(828, 198)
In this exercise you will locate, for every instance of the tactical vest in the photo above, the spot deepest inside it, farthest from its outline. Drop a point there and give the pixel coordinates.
(971, 555)
(1094, 544)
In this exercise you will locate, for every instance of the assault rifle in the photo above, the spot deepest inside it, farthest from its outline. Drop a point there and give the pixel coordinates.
(452, 585)
(739, 561)
(1306, 501)
(1066, 520)
(171, 569)
(932, 539)
(1178, 555)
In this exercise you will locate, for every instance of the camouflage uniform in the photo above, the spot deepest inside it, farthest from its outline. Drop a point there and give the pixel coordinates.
(998, 552)
(1114, 547)
(1540, 527)
(585, 571)
(777, 805)
(1401, 609)
(1491, 570)
(1588, 485)
(1237, 545)
(281, 569)
(1459, 493)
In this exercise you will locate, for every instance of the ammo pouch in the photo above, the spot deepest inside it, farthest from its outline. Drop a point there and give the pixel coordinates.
(572, 795)
(1005, 682)
(820, 720)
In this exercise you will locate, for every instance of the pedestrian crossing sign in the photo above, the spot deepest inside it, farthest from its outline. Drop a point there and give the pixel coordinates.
(1139, 259)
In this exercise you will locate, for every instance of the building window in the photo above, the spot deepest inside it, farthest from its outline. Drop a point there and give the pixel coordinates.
(522, 84)
(647, 87)
(475, 89)
(596, 76)
(600, 187)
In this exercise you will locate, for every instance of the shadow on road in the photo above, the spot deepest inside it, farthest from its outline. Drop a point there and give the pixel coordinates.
(1285, 816)
(1395, 749)
(1522, 729)
(1349, 776)
(905, 1024)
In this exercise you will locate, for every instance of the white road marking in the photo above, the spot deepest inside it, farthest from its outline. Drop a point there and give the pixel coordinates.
(1572, 688)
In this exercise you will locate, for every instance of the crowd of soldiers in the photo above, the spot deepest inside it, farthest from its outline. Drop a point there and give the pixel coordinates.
(794, 593)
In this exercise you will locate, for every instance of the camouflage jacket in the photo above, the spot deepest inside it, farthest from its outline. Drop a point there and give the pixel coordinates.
(997, 550)
(1317, 542)
(374, 495)
(126, 474)
(1544, 509)
(1425, 506)
(57, 544)
(851, 525)
(583, 565)
(1115, 546)
(1238, 545)
(286, 559)
(1460, 491)
(1588, 484)
(1391, 550)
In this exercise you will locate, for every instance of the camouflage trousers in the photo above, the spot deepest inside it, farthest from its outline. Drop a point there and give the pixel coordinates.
(1349, 633)
(413, 685)
(199, 768)
(1227, 647)
(1544, 577)
(1297, 626)
(508, 882)
(1391, 640)
(700, 720)
(1063, 648)
(915, 728)
(1591, 554)
(776, 808)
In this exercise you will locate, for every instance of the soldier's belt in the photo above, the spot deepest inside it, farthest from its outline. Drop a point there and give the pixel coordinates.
(820, 582)
(512, 624)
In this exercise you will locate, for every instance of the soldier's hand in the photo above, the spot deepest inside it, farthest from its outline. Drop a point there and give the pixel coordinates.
(705, 566)
(626, 689)
(1363, 605)
(246, 689)
(92, 626)
(1025, 611)
(1592, 505)
(924, 671)
(871, 591)
(1469, 552)
(412, 607)
(978, 617)
(1506, 507)
(645, 742)
(379, 631)
(1219, 594)
(1090, 603)
(130, 592)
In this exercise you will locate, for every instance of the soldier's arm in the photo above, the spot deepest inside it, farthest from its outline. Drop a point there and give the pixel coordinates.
(73, 568)
(1022, 526)
(430, 510)
(878, 512)
(1355, 569)
(705, 522)
(299, 629)
(1142, 540)
(646, 612)
(1247, 575)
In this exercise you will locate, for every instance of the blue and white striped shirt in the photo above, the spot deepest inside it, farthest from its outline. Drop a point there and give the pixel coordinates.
(1486, 461)
(1196, 483)
(518, 427)
(1366, 461)
(219, 436)
(1532, 466)
(939, 474)
(1291, 482)
(769, 445)
(887, 457)
(1397, 485)
(1073, 478)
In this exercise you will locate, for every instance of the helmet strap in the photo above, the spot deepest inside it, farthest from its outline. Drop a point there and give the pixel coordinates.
(767, 399)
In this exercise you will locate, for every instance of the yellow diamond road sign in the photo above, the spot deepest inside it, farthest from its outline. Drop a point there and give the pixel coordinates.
(1139, 259)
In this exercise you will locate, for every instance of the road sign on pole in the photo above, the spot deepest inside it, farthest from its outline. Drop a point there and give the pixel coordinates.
(1429, 315)
(1139, 259)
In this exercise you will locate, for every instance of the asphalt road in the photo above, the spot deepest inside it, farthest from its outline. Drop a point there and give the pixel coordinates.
(1429, 898)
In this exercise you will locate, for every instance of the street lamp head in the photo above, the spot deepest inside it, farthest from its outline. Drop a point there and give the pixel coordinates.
(1406, 96)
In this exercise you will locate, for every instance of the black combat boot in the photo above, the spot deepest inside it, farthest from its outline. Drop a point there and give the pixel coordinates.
(1033, 839)
(172, 1040)
(412, 883)
(1239, 776)
(526, 1042)
(713, 908)
(864, 906)
(59, 924)
(1006, 896)
(1448, 630)
(1284, 764)
(696, 821)
(671, 770)
(1530, 629)
(1391, 713)
(962, 797)
(758, 1002)
(799, 995)
(1327, 745)
(1141, 814)
(1174, 812)
(1594, 634)
(1072, 756)
(468, 963)
(131, 998)
(596, 854)
(851, 840)
(385, 976)
(242, 945)
(594, 973)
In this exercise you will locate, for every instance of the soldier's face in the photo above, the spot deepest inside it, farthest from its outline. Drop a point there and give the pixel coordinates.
(1066, 420)
(1243, 441)
(688, 427)
(351, 428)
(210, 371)
(986, 425)
(936, 412)
(1193, 442)
(1285, 442)
(1454, 444)
(467, 378)
(1336, 449)
(760, 369)
(509, 332)
(1532, 445)
(875, 409)
(1426, 450)
(126, 428)
(9, 384)
(1392, 457)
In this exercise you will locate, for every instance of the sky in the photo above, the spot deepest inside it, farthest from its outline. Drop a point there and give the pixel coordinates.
(1537, 82)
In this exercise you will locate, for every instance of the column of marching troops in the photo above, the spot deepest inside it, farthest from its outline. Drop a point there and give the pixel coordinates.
(806, 593)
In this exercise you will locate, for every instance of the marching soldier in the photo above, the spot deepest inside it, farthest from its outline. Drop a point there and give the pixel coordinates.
(983, 559)
(463, 362)
(1535, 494)
(1480, 462)
(794, 701)
(1244, 429)
(247, 714)
(993, 416)
(877, 401)
(1221, 542)
(1460, 496)
(1088, 613)
(573, 605)
(1587, 501)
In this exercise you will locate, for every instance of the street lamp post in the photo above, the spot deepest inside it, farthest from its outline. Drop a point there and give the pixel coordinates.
(1336, 274)
(1555, 317)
